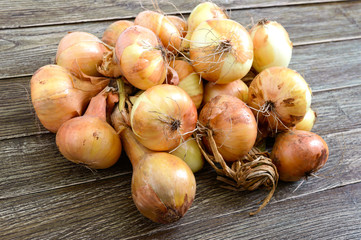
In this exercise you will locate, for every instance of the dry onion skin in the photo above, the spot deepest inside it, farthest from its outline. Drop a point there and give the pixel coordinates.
(233, 126)
(298, 154)
(271, 45)
(58, 96)
(236, 88)
(80, 53)
(180, 24)
(162, 117)
(189, 81)
(142, 57)
(221, 50)
(279, 97)
(308, 121)
(114, 30)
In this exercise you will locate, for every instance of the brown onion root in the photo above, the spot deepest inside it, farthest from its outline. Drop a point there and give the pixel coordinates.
(248, 173)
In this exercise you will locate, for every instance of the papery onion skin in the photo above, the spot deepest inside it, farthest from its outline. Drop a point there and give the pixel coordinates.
(162, 27)
(190, 153)
(284, 93)
(308, 121)
(221, 50)
(162, 117)
(80, 53)
(236, 88)
(57, 96)
(141, 57)
(298, 154)
(114, 30)
(180, 24)
(272, 45)
(233, 125)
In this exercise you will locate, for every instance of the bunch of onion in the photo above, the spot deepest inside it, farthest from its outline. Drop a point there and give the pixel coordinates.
(58, 96)
(163, 186)
(279, 97)
(89, 140)
(189, 81)
(221, 50)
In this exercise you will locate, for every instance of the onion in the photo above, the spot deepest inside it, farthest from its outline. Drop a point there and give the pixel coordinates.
(163, 186)
(142, 57)
(233, 126)
(221, 50)
(57, 96)
(202, 12)
(80, 53)
(280, 98)
(236, 88)
(89, 139)
(308, 121)
(272, 45)
(162, 26)
(190, 153)
(190, 81)
(114, 30)
(298, 154)
(162, 117)
(180, 24)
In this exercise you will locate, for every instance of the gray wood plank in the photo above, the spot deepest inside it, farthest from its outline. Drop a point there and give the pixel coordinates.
(23, 51)
(25, 13)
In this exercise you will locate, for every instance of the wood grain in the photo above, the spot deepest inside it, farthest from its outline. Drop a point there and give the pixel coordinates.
(25, 13)
(23, 51)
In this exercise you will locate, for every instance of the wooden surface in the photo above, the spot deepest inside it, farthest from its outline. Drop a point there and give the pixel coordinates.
(44, 196)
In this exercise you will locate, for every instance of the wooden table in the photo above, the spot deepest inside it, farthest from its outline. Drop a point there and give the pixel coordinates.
(44, 196)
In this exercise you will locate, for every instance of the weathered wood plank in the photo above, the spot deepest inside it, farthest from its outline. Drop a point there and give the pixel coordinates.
(105, 209)
(23, 51)
(25, 13)
(325, 68)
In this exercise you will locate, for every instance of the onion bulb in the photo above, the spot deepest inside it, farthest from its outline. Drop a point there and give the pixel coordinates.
(298, 154)
(163, 27)
(163, 186)
(180, 24)
(189, 81)
(236, 88)
(142, 57)
(89, 140)
(221, 50)
(202, 12)
(162, 117)
(233, 126)
(57, 96)
(280, 98)
(114, 30)
(190, 153)
(271, 45)
(308, 121)
(80, 53)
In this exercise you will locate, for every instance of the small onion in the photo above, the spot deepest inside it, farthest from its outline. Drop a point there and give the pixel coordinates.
(142, 57)
(162, 117)
(114, 30)
(280, 98)
(298, 154)
(221, 50)
(58, 96)
(233, 126)
(190, 153)
(271, 45)
(180, 24)
(236, 88)
(308, 121)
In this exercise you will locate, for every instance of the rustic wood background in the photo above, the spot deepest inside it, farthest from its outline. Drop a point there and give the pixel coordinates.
(44, 196)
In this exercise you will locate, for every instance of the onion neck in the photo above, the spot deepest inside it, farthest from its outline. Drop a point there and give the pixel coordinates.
(97, 106)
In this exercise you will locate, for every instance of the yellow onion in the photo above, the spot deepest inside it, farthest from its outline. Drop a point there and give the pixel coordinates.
(190, 153)
(221, 50)
(142, 57)
(114, 30)
(180, 24)
(80, 53)
(163, 186)
(271, 45)
(162, 26)
(189, 81)
(162, 117)
(298, 154)
(308, 121)
(202, 12)
(280, 98)
(233, 126)
(58, 96)
(89, 140)
(236, 88)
